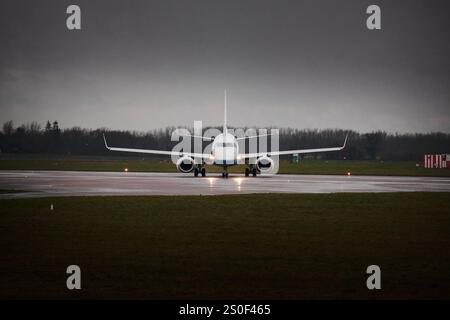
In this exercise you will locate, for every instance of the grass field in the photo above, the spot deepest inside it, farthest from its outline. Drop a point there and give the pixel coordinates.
(241, 246)
(335, 167)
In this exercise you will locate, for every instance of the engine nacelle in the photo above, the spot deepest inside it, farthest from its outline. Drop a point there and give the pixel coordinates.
(265, 164)
(185, 164)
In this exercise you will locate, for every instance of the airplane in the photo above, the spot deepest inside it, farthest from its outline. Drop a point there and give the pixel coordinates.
(225, 153)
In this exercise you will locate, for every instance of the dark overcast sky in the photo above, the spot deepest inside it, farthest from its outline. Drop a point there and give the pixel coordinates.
(305, 64)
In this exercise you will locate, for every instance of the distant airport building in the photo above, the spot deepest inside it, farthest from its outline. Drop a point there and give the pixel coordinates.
(437, 161)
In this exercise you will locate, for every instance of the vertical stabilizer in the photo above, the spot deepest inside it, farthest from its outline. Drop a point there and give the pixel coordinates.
(225, 113)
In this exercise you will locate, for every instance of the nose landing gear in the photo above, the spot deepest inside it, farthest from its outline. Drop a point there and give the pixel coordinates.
(225, 172)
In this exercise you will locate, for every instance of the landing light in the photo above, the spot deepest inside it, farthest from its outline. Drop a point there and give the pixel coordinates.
(349, 173)
(211, 157)
(126, 169)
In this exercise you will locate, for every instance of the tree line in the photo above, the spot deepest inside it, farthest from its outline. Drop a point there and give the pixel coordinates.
(32, 138)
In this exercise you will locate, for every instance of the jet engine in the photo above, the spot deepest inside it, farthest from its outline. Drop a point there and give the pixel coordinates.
(265, 164)
(185, 164)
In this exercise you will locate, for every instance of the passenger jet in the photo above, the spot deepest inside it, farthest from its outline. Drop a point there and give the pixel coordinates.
(225, 153)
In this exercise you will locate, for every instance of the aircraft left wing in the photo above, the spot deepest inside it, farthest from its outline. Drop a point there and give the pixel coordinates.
(162, 152)
(280, 153)
(257, 136)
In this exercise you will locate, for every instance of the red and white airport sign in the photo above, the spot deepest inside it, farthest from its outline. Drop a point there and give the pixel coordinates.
(437, 161)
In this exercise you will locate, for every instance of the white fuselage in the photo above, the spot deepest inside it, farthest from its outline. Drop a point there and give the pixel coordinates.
(225, 150)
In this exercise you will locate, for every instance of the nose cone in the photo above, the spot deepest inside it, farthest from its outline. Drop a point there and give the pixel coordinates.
(226, 155)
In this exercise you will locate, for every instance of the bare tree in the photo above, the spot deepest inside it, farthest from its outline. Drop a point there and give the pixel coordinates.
(8, 127)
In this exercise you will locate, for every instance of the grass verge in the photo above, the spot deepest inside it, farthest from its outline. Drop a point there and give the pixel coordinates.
(271, 246)
(333, 167)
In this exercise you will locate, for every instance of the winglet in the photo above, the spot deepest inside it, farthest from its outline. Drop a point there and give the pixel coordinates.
(104, 139)
(345, 141)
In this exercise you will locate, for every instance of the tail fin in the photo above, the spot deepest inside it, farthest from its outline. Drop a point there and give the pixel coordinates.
(225, 113)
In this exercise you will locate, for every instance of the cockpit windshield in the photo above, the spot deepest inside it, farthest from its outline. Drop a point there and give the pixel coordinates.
(227, 145)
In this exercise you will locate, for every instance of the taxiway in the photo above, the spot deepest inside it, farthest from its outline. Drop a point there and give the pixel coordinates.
(69, 183)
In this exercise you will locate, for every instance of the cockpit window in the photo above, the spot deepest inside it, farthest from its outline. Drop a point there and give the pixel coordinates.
(227, 144)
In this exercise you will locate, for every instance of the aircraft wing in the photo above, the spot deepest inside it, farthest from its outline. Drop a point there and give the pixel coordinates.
(280, 153)
(257, 136)
(194, 136)
(162, 152)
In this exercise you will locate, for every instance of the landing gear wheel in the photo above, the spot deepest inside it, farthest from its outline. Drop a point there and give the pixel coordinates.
(224, 174)
(254, 172)
(195, 172)
(203, 172)
(247, 172)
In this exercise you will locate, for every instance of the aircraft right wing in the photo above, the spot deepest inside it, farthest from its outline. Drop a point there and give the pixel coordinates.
(197, 137)
(163, 152)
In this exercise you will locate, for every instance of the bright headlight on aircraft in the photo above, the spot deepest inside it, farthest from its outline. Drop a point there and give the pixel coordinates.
(239, 157)
(211, 157)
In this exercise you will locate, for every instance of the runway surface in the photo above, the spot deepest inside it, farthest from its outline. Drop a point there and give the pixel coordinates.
(70, 183)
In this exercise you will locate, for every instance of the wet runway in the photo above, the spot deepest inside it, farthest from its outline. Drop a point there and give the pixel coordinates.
(69, 183)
